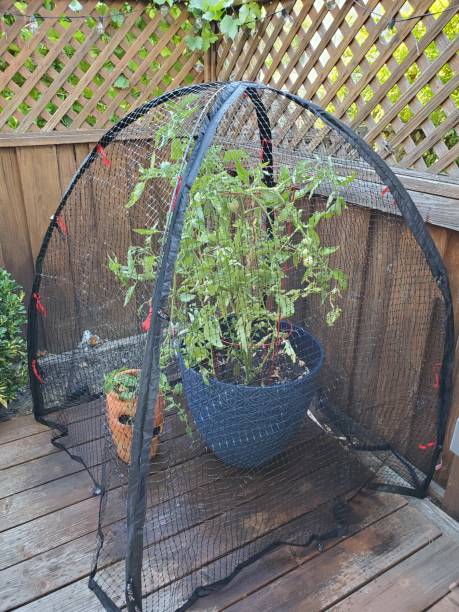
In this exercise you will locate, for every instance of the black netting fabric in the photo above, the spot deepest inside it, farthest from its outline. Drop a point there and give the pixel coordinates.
(238, 321)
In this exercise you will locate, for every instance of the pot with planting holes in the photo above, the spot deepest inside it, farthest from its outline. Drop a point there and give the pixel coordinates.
(121, 403)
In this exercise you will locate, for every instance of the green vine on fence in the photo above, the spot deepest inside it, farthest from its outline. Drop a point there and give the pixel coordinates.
(211, 19)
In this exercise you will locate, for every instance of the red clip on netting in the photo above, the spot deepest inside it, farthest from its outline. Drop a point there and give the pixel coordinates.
(103, 155)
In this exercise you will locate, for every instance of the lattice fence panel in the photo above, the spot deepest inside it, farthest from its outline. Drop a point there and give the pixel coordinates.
(399, 88)
(69, 75)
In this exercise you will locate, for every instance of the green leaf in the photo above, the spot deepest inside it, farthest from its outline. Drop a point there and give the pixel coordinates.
(177, 149)
(75, 6)
(102, 8)
(194, 43)
(234, 155)
(186, 297)
(333, 316)
(289, 350)
(136, 194)
(197, 5)
(242, 337)
(26, 34)
(21, 6)
(129, 294)
(146, 231)
(121, 82)
(249, 13)
(117, 18)
(229, 26)
(208, 36)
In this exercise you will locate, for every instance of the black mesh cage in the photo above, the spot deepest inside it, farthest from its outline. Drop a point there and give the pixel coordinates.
(238, 321)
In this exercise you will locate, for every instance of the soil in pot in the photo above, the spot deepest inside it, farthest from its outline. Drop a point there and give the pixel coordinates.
(120, 419)
(271, 370)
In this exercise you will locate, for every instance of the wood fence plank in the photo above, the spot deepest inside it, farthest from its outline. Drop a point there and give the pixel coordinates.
(32, 139)
(14, 228)
(451, 499)
(41, 190)
(451, 260)
(375, 299)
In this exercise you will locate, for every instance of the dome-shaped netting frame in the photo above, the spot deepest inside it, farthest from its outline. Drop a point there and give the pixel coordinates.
(238, 320)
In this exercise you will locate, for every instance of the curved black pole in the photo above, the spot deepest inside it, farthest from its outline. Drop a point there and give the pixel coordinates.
(149, 380)
(264, 129)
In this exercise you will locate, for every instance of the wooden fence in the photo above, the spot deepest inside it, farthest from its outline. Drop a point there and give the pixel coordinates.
(62, 90)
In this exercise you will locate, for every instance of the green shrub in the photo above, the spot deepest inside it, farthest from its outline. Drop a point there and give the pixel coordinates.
(12, 343)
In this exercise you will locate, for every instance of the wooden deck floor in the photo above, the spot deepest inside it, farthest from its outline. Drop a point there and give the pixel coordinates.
(402, 554)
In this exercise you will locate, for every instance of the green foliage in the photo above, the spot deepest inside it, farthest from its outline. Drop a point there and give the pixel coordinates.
(233, 255)
(124, 383)
(121, 82)
(210, 18)
(12, 343)
(140, 262)
(229, 289)
(75, 6)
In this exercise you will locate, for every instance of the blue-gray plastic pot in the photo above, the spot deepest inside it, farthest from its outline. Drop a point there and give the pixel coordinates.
(247, 426)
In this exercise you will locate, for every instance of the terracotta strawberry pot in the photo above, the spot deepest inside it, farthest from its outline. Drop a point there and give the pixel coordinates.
(120, 415)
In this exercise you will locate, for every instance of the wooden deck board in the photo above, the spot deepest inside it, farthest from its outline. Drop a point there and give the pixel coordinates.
(19, 451)
(413, 584)
(399, 554)
(350, 564)
(19, 428)
(449, 603)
